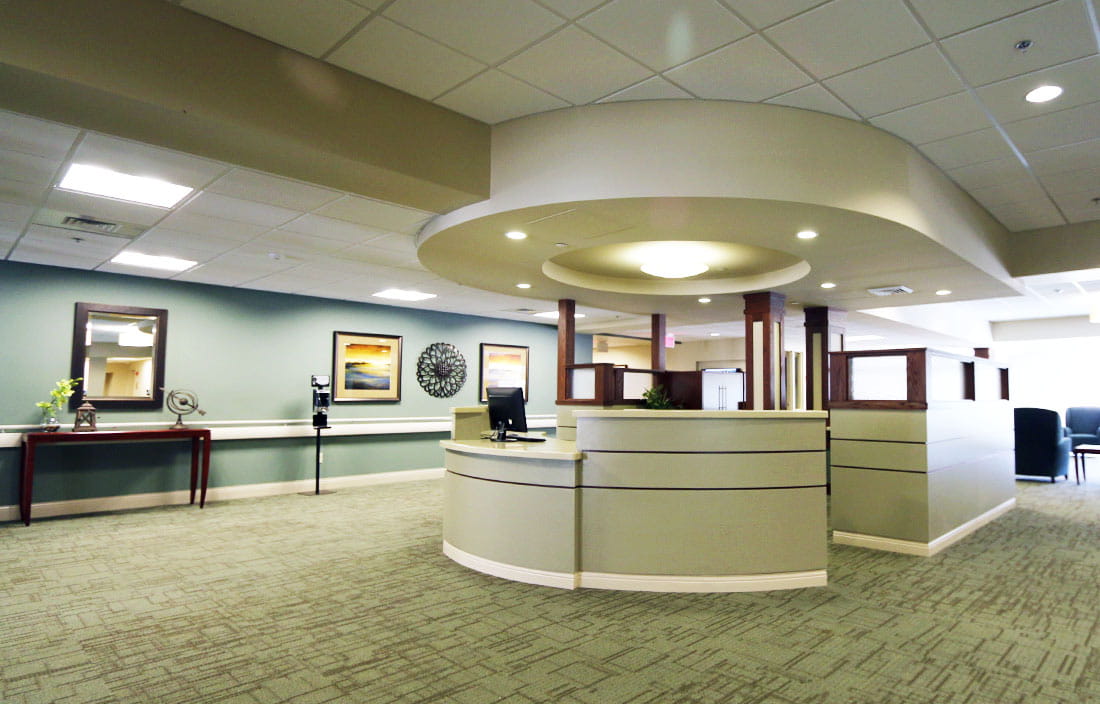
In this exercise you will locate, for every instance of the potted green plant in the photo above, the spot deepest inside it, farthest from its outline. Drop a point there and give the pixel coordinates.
(656, 398)
(51, 409)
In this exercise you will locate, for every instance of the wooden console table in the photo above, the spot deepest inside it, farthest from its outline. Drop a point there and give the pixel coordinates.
(200, 447)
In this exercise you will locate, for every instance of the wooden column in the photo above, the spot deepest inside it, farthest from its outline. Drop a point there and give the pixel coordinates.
(567, 346)
(657, 341)
(764, 370)
(824, 334)
(982, 352)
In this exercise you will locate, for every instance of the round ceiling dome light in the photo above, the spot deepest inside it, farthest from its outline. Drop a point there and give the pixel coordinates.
(943, 292)
(515, 235)
(704, 299)
(1043, 94)
(673, 269)
(806, 235)
(828, 284)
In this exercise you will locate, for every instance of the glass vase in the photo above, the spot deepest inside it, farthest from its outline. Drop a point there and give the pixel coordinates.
(50, 423)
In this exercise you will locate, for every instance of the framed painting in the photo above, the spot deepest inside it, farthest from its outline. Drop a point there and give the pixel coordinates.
(503, 365)
(366, 367)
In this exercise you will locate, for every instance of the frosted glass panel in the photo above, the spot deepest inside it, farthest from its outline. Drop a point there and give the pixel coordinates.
(634, 384)
(584, 383)
(945, 379)
(877, 378)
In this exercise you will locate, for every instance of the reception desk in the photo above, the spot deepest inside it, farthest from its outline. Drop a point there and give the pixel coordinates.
(646, 500)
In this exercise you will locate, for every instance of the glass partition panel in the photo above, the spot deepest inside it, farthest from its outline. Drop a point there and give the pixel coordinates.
(946, 379)
(584, 383)
(878, 378)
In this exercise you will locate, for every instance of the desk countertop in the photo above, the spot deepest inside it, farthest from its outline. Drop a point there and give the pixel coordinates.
(552, 449)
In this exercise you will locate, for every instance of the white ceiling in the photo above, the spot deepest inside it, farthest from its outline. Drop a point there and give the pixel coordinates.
(942, 74)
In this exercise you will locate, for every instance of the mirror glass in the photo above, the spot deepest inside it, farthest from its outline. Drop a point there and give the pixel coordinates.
(118, 352)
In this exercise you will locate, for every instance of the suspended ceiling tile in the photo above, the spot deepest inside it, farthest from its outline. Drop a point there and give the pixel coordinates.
(655, 88)
(364, 253)
(661, 34)
(104, 208)
(389, 53)
(938, 119)
(900, 81)
(20, 166)
(494, 97)
(763, 13)
(1009, 192)
(844, 34)
(184, 245)
(29, 135)
(488, 30)
(375, 213)
(1059, 32)
(279, 242)
(21, 192)
(966, 149)
(144, 160)
(990, 173)
(1080, 79)
(111, 268)
(750, 70)
(309, 27)
(1078, 207)
(245, 265)
(1065, 158)
(816, 98)
(239, 210)
(319, 226)
(575, 66)
(32, 252)
(1028, 215)
(395, 242)
(947, 17)
(272, 190)
(14, 215)
(1079, 124)
(572, 8)
(204, 225)
(1078, 182)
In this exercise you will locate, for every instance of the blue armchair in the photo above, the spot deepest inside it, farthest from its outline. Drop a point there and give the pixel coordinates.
(1083, 425)
(1042, 449)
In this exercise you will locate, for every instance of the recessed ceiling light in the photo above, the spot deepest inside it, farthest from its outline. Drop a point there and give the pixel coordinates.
(553, 314)
(715, 334)
(1043, 94)
(523, 285)
(398, 294)
(704, 299)
(150, 261)
(943, 292)
(828, 284)
(672, 259)
(98, 181)
(561, 244)
(515, 235)
(673, 269)
(806, 235)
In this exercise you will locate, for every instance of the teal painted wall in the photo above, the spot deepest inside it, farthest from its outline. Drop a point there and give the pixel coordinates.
(249, 356)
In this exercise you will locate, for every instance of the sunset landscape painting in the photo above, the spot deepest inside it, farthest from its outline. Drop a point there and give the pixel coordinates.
(366, 367)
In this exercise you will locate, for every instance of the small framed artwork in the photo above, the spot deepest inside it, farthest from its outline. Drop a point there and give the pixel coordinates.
(503, 365)
(366, 367)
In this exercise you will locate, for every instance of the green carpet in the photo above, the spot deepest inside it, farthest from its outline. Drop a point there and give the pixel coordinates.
(347, 598)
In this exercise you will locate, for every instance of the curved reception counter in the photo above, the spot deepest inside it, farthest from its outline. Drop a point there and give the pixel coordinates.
(709, 501)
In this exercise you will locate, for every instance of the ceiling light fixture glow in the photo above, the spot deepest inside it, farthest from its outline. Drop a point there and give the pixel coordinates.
(806, 235)
(523, 285)
(943, 292)
(672, 260)
(704, 299)
(715, 334)
(1043, 94)
(397, 294)
(515, 235)
(98, 181)
(828, 284)
(150, 261)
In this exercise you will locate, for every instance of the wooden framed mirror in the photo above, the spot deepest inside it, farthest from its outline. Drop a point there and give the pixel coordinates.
(118, 353)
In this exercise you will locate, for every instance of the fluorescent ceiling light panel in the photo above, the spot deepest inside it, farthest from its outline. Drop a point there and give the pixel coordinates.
(398, 294)
(98, 181)
(1043, 94)
(150, 261)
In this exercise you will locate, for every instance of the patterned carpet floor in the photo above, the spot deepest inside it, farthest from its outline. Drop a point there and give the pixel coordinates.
(347, 598)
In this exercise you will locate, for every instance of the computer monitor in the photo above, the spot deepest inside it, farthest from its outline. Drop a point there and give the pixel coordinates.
(506, 411)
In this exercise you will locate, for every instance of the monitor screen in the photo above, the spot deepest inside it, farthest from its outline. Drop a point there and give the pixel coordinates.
(506, 406)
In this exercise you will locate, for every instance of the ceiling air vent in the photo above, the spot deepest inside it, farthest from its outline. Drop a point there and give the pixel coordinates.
(889, 290)
(89, 224)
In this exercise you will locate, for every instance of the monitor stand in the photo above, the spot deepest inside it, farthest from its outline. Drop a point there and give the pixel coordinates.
(501, 433)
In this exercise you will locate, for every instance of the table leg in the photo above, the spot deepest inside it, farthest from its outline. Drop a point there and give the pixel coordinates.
(194, 466)
(1076, 467)
(205, 467)
(27, 481)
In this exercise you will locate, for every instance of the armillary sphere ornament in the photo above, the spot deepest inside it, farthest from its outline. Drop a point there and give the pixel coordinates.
(441, 370)
(182, 402)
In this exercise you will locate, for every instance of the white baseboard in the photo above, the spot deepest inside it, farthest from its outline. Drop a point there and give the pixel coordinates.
(545, 578)
(911, 547)
(221, 493)
(638, 582)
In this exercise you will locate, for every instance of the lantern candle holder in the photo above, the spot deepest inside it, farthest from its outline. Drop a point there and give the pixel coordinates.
(85, 418)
